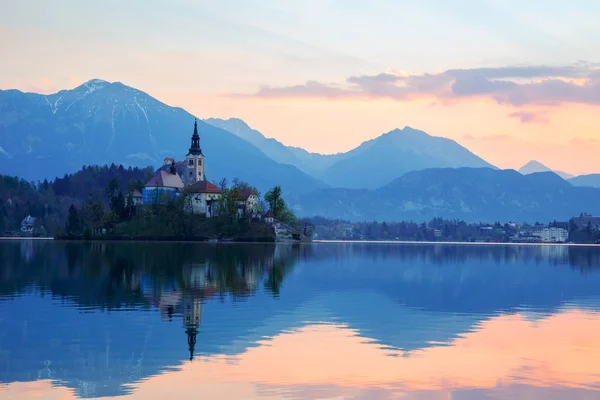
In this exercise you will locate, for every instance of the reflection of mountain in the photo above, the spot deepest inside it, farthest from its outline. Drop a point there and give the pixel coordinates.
(103, 319)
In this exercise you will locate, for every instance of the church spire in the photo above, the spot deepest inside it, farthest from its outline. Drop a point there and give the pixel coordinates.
(195, 148)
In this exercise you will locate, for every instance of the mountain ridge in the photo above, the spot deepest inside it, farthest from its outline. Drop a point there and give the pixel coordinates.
(370, 165)
(469, 194)
(100, 122)
(590, 180)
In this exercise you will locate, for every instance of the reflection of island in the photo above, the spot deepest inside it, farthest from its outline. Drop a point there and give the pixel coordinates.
(127, 280)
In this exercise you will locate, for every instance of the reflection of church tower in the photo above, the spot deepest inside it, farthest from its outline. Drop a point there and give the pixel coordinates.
(192, 312)
(194, 160)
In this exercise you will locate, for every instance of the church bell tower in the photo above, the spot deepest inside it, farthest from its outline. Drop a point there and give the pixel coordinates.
(194, 159)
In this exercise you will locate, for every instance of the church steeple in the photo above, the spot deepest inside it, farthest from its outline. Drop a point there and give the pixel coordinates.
(194, 160)
(195, 148)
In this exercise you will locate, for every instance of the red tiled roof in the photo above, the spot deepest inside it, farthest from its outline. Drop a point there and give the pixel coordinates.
(137, 193)
(203, 187)
(165, 179)
(244, 194)
(269, 214)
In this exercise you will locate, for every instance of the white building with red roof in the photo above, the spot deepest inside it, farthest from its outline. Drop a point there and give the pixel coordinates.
(247, 203)
(204, 198)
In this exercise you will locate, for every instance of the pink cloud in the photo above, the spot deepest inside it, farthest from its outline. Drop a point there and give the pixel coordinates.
(529, 117)
(545, 85)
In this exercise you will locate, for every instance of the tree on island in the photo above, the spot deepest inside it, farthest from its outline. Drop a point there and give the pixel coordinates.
(277, 205)
(93, 211)
(73, 222)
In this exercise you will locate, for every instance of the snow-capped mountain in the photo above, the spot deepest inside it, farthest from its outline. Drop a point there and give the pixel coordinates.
(42, 136)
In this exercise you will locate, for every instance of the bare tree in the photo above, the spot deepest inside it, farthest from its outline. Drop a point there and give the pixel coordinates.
(223, 184)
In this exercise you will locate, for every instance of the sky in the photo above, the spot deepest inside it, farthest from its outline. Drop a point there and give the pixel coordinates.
(511, 80)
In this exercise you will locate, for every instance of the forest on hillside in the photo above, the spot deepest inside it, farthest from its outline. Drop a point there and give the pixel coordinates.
(49, 201)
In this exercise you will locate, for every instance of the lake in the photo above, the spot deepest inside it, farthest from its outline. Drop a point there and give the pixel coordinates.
(314, 321)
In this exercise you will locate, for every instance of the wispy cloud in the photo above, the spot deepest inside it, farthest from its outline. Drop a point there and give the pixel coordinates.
(530, 117)
(516, 85)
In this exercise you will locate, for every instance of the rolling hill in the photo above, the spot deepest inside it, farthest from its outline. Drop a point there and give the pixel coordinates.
(592, 180)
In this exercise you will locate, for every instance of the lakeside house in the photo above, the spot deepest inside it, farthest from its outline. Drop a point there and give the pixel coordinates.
(269, 217)
(27, 225)
(555, 235)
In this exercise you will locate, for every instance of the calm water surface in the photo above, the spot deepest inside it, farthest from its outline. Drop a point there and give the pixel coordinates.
(320, 321)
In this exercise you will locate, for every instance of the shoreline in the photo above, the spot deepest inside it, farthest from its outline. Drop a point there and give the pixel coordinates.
(25, 238)
(455, 243)
(398, 242)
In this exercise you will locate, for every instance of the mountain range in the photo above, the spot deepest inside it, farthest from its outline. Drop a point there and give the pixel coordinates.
(369, 166)
(43, 136)
(402, 174)
(469, 194)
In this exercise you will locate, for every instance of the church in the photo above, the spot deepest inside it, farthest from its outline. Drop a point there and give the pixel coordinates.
(167, 184)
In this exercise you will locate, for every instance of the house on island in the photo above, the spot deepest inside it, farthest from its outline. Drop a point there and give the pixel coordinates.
(204, 198)
(269, 217)
(137, 198)
(163, 186)
(247, 203)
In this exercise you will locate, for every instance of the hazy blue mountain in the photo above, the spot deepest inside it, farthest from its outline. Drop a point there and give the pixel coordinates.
(471, 194)
(372, 164)
(534, 166)
(592, 180)
(311, 163)
(42, 136)
(379, 161)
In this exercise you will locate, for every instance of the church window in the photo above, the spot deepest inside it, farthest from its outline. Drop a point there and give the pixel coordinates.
(191, 162)
(191, 173)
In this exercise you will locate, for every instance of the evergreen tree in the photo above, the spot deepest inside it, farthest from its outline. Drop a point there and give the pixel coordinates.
(276, 203)
(73, 222)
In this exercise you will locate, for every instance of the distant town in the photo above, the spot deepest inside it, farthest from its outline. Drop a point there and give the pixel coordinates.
(584, 229)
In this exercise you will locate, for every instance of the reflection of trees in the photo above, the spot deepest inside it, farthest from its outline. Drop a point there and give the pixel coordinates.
(578, 257)
(110, 275)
